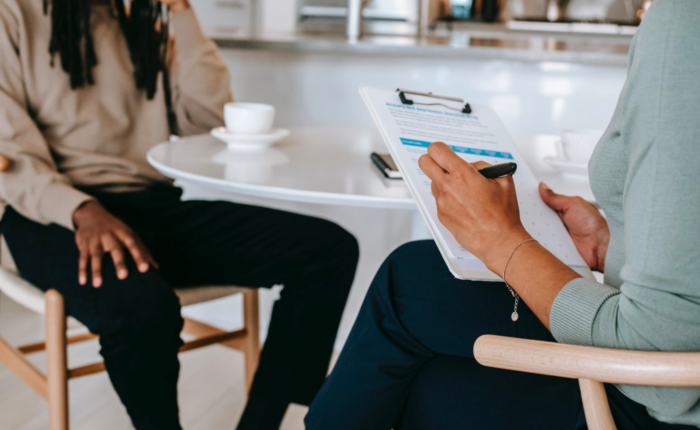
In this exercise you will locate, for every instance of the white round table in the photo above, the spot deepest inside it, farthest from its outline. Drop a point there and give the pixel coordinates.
(325, 165)
(324, 172)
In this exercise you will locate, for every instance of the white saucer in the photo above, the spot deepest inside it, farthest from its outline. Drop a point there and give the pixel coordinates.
(248, 142)
(569, 169)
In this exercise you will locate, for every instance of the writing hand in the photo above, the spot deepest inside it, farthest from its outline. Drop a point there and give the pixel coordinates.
(586, 225)
(481, 213)
(98, 232)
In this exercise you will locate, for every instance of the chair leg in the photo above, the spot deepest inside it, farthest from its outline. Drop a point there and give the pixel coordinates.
(251, 318)
(595, 405)
(56, 361)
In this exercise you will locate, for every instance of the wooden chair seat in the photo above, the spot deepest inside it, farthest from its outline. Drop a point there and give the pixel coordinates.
(21, 291)
(194, 295)
(32, 298)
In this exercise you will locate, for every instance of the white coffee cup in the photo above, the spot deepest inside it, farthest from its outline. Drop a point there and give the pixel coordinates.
(248, 118)
(577, 146)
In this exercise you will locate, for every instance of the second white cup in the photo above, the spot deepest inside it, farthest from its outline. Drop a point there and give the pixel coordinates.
(249, 118)
(577, 145)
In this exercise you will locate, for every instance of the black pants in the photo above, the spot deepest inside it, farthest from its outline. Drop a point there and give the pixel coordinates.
(409, 365)
(200, 243)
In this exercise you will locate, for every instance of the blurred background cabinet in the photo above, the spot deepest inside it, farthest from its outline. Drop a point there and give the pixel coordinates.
(226, 16)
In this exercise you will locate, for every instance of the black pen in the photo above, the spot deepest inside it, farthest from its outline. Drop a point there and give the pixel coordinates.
(498, 170)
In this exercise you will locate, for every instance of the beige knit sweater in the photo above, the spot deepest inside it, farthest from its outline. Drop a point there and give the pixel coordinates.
(59, 139)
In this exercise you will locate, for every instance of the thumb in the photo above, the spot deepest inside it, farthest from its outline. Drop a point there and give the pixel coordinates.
(552, 199)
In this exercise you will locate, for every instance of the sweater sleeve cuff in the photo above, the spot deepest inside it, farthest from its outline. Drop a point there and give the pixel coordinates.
(59, 201)
(575, 308)
(188, 33)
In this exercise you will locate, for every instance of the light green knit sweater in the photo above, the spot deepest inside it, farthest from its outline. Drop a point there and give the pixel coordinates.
(645, 174)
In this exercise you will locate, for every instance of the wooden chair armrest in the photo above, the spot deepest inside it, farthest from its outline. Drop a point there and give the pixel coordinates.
(671, 369)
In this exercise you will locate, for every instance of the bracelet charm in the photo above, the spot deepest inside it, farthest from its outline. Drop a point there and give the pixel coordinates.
(514, 316)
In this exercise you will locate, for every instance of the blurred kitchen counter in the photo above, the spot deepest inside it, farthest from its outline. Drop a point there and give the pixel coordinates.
(497, 43)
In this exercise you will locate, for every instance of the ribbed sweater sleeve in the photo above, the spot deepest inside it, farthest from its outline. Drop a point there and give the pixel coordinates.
(576, 308)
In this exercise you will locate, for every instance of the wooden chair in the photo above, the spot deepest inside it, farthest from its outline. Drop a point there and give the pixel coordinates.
(53, 386)
(592, 367)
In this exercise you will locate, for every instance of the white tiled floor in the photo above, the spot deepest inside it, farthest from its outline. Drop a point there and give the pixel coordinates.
(211, 388)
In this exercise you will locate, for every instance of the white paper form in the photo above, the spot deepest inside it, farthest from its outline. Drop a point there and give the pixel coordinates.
(408, 130)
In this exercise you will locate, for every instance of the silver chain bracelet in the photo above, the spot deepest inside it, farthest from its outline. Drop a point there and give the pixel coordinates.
(514, 316)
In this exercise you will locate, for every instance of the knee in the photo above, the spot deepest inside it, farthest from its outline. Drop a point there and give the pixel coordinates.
(347, 244)
(412, 256)
(411, 265)
(332, 241)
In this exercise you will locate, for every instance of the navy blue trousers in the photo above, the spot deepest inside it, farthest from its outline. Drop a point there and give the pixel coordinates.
(408, 363)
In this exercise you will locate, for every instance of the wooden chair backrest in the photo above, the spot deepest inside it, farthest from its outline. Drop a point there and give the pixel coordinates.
(592, 367)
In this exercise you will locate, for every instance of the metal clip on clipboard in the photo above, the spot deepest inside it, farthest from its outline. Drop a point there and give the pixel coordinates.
(404, 100)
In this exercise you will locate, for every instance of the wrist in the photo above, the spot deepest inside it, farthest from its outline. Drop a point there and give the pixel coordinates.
(83, 211)
(602, 252)
(503, 247)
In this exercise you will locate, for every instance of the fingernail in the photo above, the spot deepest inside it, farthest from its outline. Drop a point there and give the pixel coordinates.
(97, 283)
(143, 267)
(544, 186)
(82, 280)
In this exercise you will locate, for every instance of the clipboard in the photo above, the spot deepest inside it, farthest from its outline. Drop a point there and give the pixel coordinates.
(409, 121)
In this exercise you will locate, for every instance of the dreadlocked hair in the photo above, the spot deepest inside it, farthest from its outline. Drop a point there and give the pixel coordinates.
(145, 28)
